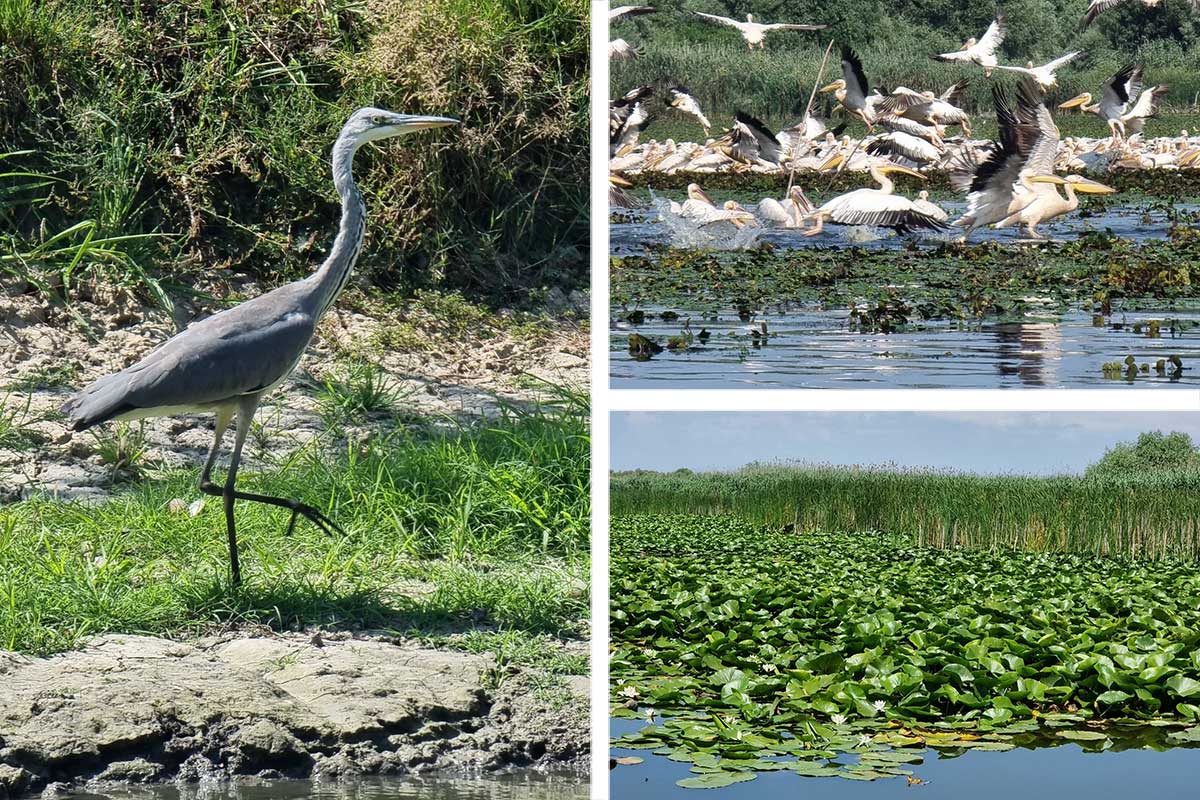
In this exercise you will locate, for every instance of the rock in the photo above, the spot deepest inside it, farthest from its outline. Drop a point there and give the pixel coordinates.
(139, 709)
(13, 781)
(137, 770)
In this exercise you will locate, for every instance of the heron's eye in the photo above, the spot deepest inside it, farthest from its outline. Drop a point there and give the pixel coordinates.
(377, 120)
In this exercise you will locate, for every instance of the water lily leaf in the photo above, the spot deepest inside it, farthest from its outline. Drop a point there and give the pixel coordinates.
(715, 780)
(1114, 696)
(1183, 685)
(1082, 736)
(628, 760)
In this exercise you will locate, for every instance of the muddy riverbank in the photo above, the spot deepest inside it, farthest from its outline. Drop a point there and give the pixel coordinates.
(133, 709)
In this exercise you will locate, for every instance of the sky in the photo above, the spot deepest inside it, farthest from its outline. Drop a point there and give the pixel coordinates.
(994, 442)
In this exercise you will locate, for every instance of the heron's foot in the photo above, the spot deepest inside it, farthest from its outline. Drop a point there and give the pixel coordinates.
(316, 517)
(313, 515)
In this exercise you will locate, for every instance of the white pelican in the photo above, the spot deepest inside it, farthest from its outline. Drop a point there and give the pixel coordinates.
(755, 32)
(1047, 203)
(1096, 7)
(874, 207)
(913, 148)
(700, 209)
(1119, 93)
(927, 109)
(925, 206)
(999, 184)
(786, 213)
(617, 196)
(980, 51)
(1045, 74)
(621, 50)
(1146, 107)
(851, 89)
(629, 11)
(750, 141)
(626, 118)
(678, 98)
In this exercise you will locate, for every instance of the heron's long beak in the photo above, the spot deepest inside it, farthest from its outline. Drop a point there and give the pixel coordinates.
(424, 123)
(831, 87)
(902, 171)
(1076, 101)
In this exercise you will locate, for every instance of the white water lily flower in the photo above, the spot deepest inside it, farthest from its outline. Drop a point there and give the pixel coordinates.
(880, 705)
(628, 691)
(839, 719)
(864, 739)
(770, 668)
(651, 713)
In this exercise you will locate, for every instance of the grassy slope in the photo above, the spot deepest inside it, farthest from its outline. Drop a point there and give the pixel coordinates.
(482, 530)
(211, 124)
(1141, 515)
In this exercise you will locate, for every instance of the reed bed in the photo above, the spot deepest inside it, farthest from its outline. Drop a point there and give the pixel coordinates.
(1140, 516)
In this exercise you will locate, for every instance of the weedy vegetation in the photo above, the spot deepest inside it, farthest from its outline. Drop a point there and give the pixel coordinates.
(480, 526)
(148, 144)
(1140, 501)
(852, 654)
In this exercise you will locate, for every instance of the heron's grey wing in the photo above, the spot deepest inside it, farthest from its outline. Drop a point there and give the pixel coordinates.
(239, 351)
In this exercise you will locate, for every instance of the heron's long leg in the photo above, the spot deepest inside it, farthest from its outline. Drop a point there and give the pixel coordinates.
(224, 415)
(245, 413)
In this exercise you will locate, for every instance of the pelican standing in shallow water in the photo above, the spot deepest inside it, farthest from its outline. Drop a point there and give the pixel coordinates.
(756, 32)
(980, 51)
(1047, 203)
(878, 208)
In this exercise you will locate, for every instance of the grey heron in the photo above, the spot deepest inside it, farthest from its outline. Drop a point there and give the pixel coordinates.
(227, 362)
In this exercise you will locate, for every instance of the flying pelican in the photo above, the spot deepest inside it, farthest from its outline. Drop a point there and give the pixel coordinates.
(621, 50)
(755, 32)
(750, 141)
(875, 207)
(1044, 75)
(1097, 7)
(851, 89)
(928, 109)
(627, 117)
(980, 51)
(998, 177)
(1146, 107)
(629, 11)
(1047, 203)
(678, 98)
(1119, 93)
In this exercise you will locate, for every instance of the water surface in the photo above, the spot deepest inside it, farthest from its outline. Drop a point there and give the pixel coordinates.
(517, 786)
(1055, 773)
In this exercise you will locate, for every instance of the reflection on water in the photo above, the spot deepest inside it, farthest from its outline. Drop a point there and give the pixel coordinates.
(650, 226)
(1067, 771)
(522, 786)
(817, 349)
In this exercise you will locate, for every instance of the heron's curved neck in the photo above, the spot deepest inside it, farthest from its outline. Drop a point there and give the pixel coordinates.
(332, 275)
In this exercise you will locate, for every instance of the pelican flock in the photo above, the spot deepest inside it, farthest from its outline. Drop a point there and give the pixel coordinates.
(1026, 177)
